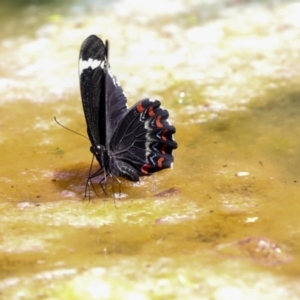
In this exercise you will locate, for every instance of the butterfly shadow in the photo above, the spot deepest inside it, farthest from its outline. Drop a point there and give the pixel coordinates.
(74, 182)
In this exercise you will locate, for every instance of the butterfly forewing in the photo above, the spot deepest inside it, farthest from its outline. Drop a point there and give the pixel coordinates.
(92, 86)
(103, 99)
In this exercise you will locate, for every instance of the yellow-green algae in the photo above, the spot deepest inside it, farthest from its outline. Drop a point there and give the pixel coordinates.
(228, 73)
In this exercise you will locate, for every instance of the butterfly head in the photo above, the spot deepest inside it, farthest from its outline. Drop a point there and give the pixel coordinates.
(97, 150)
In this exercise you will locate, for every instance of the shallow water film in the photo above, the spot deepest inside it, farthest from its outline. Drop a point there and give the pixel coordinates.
(223, 223)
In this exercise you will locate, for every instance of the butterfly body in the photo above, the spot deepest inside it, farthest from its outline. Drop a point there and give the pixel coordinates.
(126, 142)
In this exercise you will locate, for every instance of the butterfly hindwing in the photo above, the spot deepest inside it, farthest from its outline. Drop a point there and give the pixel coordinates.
(143, 140)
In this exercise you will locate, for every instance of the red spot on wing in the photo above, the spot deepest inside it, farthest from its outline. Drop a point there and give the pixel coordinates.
(151, 112)
(162, 150)
(140, 108)
(160, 161)
(145, 168)
(158, 122)
(163, 135)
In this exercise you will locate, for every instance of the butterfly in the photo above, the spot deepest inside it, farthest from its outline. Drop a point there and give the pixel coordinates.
(127, 143)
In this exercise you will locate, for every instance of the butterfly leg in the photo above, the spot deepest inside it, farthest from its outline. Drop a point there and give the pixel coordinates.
(119, 185)
(89, 181)
(104, 188)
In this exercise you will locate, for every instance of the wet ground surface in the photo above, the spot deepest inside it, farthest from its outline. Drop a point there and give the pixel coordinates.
(223, 223)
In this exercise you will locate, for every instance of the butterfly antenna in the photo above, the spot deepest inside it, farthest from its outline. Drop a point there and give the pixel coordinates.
(69, 128)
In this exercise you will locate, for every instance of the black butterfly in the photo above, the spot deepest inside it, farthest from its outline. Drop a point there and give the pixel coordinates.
(126, 142)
